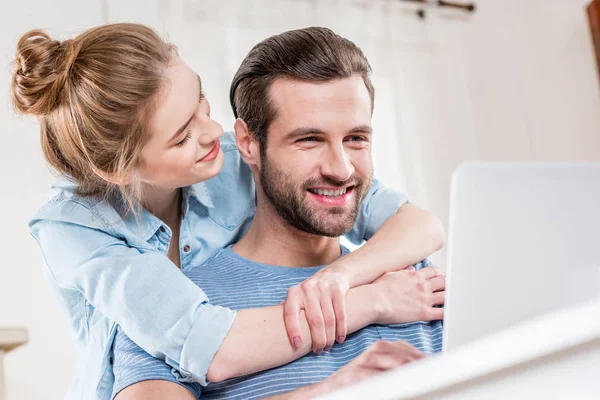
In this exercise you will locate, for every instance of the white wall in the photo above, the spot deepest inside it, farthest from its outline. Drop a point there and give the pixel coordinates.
(42, 369)
(515, 81)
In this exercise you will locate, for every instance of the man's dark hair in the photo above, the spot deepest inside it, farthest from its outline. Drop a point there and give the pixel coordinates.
(311, 54)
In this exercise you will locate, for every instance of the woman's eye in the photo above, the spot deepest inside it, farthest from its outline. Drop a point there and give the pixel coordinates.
(184, 140)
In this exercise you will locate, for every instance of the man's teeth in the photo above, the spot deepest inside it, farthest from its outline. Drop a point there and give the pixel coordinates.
(331, 193)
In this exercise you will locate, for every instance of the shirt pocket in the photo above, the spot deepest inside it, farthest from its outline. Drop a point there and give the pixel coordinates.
(232, 193)
(230, 218)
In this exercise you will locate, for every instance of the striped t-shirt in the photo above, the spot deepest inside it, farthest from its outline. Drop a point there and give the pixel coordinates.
(232, 281)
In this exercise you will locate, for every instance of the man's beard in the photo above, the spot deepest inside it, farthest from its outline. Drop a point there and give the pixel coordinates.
(292, 205)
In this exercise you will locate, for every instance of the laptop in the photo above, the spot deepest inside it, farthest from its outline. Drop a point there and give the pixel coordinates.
(523, 240)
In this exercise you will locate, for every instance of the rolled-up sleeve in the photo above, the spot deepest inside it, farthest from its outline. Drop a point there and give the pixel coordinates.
(156, 305)
(380, 204)
(205, 337)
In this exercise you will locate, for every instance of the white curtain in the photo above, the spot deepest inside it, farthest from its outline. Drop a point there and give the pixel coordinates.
(513, 81)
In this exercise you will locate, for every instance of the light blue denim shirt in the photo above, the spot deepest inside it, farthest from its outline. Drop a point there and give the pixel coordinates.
(107, 270)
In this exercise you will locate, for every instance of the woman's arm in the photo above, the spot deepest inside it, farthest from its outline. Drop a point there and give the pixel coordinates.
(258, 340)
(147, 295)
(405, 238)
(260, 334)
(139, 289)
(398, 234)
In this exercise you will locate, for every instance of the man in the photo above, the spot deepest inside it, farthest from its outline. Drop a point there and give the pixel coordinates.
(304, 102)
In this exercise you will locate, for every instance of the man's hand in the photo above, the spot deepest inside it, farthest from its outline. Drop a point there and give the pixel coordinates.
(323, 298)
(381, 356)
(409, 295)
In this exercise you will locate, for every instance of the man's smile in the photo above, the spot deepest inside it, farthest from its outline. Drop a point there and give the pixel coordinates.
(332, 196)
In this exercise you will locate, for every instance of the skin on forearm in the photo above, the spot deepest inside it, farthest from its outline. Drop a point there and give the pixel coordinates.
(258, 339)
(306, 392)
(405, 239)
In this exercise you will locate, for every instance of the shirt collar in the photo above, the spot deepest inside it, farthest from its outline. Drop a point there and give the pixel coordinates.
(200, 192)
(146, 224)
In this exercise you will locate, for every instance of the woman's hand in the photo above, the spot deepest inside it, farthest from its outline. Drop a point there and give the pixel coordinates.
(409, 295)
(403, 296)
(322, 297)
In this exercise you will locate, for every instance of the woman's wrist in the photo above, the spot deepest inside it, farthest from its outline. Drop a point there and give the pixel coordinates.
(369, 302)
(344, 270)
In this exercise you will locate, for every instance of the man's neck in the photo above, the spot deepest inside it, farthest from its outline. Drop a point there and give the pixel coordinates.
(272, 241)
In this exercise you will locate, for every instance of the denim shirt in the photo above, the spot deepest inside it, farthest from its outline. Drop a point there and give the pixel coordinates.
(106, 270)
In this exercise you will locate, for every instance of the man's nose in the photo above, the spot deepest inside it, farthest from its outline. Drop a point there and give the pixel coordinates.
(337, 164)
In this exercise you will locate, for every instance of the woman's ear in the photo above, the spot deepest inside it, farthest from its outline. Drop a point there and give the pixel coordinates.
(247, 144)
(114, 178)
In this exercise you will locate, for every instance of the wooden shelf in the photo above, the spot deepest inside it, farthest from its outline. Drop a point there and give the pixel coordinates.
(593, 11)
(11, 338)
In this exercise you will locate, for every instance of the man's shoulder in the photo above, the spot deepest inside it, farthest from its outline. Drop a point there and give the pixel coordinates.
(230, 280)
(227, 263)
(226, 258)
(221, 262)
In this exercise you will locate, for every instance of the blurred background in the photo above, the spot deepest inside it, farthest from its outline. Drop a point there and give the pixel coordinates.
(514, 81)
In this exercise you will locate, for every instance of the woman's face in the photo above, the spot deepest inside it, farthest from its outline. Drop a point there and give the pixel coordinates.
(183, 147)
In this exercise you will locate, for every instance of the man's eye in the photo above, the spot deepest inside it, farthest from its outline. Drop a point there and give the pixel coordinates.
(309, 139)
(357, 139)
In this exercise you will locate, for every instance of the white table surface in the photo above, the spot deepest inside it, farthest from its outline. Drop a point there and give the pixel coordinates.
(536, 343)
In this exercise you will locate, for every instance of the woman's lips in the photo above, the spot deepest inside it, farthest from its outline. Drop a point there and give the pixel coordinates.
(212, 154)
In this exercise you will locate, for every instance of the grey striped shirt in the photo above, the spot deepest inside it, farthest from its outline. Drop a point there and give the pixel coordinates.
(235, 282)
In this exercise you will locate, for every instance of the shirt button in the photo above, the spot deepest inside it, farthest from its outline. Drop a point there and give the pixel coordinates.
(162, 229)
(186, 248)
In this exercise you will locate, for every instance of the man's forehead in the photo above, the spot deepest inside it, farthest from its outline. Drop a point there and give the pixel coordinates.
(303, 101)
(289, 89)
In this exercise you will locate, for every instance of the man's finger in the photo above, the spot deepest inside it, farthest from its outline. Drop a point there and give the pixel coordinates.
(385, 362)
(402, 347)
(291, 315)
(384, 356)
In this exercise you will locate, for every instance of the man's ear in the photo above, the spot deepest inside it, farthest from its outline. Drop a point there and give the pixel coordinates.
(247, 144)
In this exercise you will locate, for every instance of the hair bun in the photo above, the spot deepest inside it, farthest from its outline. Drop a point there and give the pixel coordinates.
(41, 72)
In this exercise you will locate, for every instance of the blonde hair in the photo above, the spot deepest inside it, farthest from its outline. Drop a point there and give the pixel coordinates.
(92, 95)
